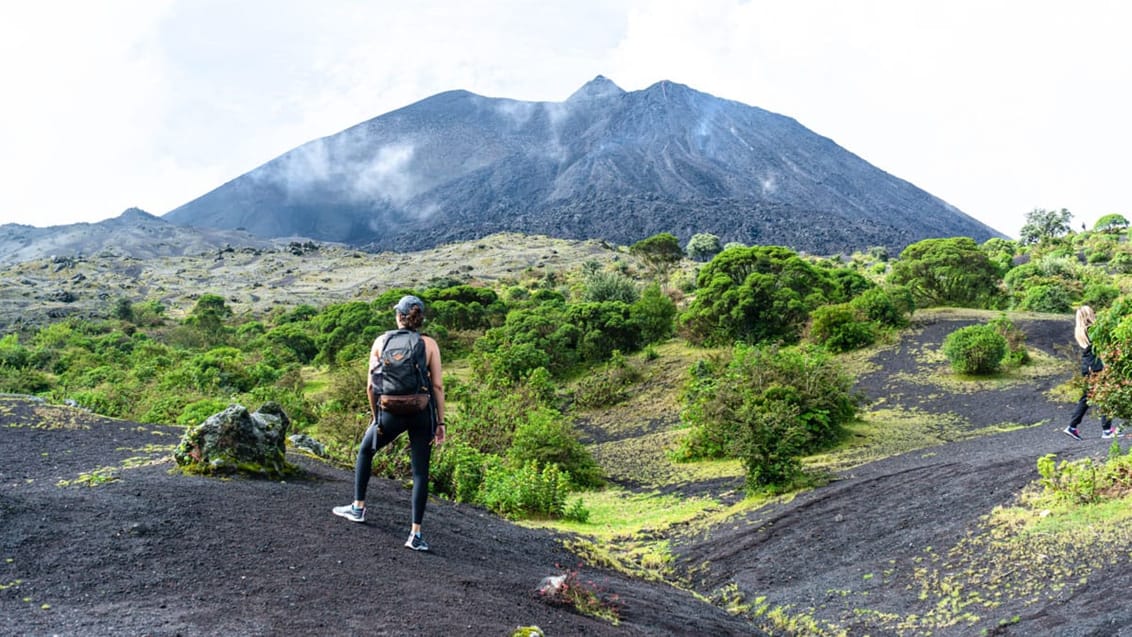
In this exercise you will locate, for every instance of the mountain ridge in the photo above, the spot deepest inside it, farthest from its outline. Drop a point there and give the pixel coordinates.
(134, 233)
(457, 166)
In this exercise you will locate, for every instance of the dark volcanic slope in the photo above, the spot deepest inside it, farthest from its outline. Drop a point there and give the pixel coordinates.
(605, 164)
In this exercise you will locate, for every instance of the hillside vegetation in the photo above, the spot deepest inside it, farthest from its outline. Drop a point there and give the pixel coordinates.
(641, 400)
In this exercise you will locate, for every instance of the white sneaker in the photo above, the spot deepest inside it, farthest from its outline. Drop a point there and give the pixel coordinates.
(416, 542)
(351, 513)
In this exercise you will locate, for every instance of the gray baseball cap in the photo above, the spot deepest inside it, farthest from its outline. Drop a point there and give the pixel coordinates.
(405, 305)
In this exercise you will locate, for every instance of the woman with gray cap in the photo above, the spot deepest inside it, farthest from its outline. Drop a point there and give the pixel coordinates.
(397, 355)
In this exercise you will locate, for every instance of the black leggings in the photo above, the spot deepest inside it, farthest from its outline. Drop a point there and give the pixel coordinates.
(1083, 406)
(419, 427)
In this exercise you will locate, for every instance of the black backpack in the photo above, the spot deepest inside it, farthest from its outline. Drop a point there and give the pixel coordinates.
(403, 369)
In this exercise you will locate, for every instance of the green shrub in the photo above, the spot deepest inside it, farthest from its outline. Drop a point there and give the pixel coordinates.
(548, 439)
(1121, 262)
(770, 443)
(889, 307)
(729, 403)
(23, 381)
(491, 408)
(609, 286)
(975, 349)
(457, 470)
(1016, 352)
(165, 410)
(757, 294)
(841, 328)
(107, 400)
(1084, 481)
(1099, 295)
(655, 313)
(529, 491)
(12, 354)
(576, 512)
(198, 411)
(1047, 298)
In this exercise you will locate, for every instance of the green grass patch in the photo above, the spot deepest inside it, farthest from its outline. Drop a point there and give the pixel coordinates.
(886, 432)
(644, 460)
(616, 513)
(625, 530)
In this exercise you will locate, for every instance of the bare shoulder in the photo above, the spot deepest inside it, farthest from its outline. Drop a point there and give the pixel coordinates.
(431, 347)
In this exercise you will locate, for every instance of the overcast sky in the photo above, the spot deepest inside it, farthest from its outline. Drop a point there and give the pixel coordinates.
(997, 107)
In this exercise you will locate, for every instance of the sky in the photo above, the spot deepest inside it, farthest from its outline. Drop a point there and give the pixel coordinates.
(998, 107)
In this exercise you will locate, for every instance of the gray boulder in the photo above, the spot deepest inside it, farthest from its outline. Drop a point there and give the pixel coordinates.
(306, 443)
(235, 441)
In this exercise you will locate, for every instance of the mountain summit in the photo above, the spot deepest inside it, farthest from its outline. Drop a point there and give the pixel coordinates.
(605, 164)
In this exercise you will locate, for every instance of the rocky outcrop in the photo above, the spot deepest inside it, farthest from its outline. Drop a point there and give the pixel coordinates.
(236, 441)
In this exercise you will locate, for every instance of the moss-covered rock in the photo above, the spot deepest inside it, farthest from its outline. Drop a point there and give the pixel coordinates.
(236, 441)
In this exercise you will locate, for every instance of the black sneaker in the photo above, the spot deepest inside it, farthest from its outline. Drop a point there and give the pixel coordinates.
(1114, 432)
(351, 513)
(416, 542)
(1071, 432)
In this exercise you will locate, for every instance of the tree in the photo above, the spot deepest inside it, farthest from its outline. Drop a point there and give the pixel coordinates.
(1043, 225)
(1111, 223)
(660, 251)
(951, 271)
(123, 309)
(1001, 252)
(654, 312)
(761, 293)
(208, 316)
(703, 246)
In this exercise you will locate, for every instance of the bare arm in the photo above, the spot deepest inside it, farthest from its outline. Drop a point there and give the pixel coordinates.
(436, 374)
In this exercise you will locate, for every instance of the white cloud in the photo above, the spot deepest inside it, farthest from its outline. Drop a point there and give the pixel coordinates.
(995, 107)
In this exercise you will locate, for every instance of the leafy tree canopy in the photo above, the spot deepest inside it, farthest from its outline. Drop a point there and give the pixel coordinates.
(1043, 225)
(1111, 223)
(951, 271)
(703, 246)
(761, 293)
(660, 251)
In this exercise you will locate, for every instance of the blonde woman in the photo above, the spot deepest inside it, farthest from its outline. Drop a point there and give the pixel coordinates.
(1090, 364)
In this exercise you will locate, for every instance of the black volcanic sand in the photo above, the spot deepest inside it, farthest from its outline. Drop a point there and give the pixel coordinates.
(158, 553)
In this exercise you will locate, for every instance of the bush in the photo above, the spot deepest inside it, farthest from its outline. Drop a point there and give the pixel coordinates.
(841, 328)
(12, 354)
(529, 491)
(1083, 481)
(731, 404)
(23, 381)
(548, 439)
(609, 286)
(889, 307)
(1099, 295)
(1047, 298)
(655, 312)
(769, 444)
(975, 349)
(197, 412)
(165, 410)
(758, 294)
(1016, 353)
(457, 470)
